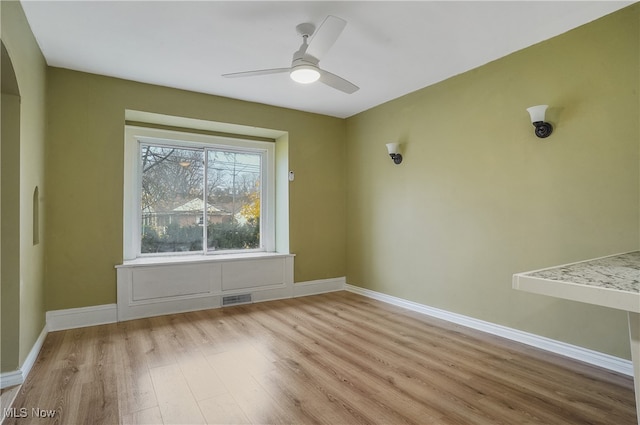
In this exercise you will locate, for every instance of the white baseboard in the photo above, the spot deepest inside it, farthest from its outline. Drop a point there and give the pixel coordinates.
(320, 286)
(595, 358)
(58, 320)
(31, 358)
(17, 377)
(10, 379)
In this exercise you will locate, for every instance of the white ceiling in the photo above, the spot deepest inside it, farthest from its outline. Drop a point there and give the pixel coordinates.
(388, 49)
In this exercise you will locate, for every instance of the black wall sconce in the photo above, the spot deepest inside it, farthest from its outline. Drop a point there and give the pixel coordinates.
(543, 129)
(394, 152)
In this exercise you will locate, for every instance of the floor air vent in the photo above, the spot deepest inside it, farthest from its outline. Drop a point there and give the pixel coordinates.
(236, 299)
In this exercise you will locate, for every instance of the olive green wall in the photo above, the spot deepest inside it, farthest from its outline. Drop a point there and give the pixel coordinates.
(85, 179)
(25, 308)
(479, 197)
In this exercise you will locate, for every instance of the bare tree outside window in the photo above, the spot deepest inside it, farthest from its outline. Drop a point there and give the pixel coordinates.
(173, 204)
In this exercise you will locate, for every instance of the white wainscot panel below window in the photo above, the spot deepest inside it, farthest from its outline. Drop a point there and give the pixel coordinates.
(174, 281)
(152, 287)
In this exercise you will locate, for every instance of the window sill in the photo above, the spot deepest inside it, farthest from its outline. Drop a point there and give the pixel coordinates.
(191, 259)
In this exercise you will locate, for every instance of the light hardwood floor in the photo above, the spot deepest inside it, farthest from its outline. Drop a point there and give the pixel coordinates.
(336, 358)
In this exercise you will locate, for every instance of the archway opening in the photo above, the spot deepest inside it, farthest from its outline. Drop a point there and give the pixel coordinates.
(10, 215)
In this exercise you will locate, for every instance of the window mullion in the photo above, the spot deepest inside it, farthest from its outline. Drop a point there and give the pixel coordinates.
(205, 194)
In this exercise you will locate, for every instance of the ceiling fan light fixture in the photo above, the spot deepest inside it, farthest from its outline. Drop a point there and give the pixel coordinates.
(304, 74)
(305, 68)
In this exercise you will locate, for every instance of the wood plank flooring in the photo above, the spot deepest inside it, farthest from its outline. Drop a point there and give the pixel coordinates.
(7, 395)
(336, 358)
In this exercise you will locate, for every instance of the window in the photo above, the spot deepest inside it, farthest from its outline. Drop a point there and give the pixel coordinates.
(195, 193)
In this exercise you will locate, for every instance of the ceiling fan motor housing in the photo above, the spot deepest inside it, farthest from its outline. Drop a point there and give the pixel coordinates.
(304, 71)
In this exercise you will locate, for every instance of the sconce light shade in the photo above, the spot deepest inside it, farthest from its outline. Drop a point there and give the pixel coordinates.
(543, 129)
(393, 148)
(394, 152)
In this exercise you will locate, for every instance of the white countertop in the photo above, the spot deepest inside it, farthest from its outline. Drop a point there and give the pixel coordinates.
(612, 281)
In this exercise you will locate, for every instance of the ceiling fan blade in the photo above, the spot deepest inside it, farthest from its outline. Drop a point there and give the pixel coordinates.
(325, 36)
(256, 73)
(338, 83)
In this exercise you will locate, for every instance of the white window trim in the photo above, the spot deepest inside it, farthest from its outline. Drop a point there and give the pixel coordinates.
(133, 176)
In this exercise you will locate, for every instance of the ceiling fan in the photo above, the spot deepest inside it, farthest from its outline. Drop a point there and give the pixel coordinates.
(305, 64)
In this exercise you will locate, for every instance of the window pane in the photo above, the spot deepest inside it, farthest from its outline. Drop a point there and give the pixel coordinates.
(233, 200)
(171, 199)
